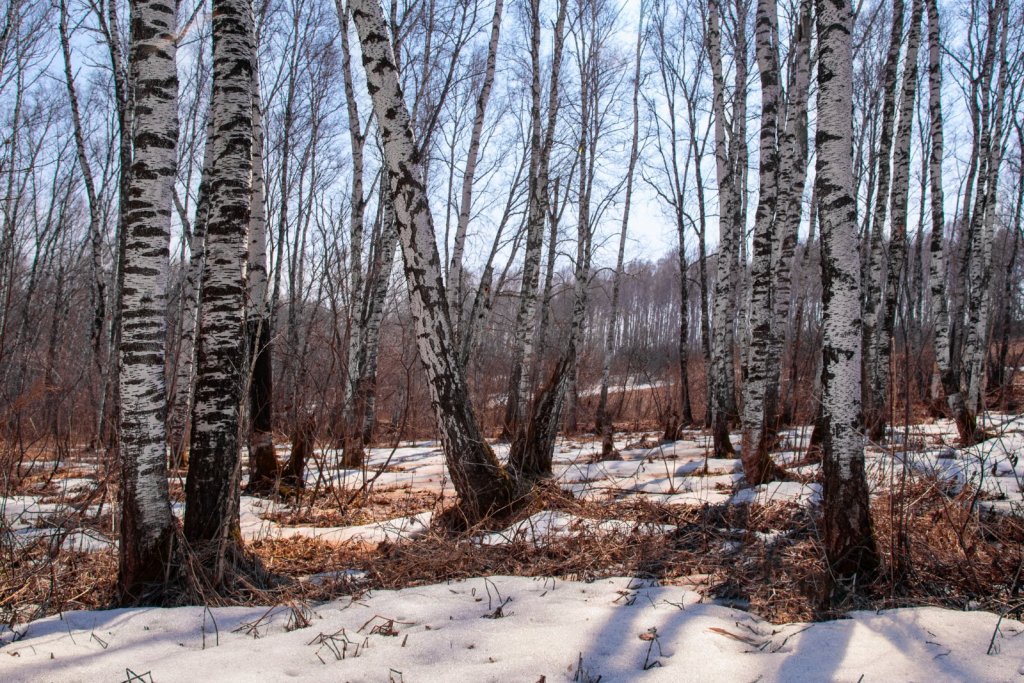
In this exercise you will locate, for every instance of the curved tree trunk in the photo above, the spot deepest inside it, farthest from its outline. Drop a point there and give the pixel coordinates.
(541, 142)
(482, 484)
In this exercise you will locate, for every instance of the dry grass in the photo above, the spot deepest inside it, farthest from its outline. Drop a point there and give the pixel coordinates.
(41, 581)
(936, 550)
(381, 504)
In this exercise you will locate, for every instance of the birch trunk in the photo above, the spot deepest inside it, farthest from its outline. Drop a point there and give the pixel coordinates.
(541, 142)
(147, 527)
(848, 538)
(949, 373)
(722, 335)
(183, 388)
(758, 466)
(531, 452)
(264, 469)
(872, 274)
(456, 286)
(792, 180)
(212, 487)
(109, 25)
(378, 281)
(98, 292)
(352, 428)
(889, 294)
(482, 484)
(604, 422)
(983, 215)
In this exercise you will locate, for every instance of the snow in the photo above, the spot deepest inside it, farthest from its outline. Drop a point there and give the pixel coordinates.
(675, 473)
(620, 629)
(779, 491)
(543, 527)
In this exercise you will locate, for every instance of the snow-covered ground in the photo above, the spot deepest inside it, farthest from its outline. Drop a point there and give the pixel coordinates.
(677, 473)
(550, 630)
(512, 629)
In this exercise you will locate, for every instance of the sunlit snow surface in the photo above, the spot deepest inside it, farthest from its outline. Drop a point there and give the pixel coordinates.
(506, 629)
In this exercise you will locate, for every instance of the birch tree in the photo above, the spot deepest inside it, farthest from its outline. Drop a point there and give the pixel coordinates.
(541, 143)
(604, 422)
(456, 286)
(263, 466)
(211, 489)
(720, 376)
(482, 484)
(875, 220)
(757, 465)
(147, 528)
(679, 148)
(989, 151)
(788, 212)
(848, 537)
(948, 366)
(897, 251)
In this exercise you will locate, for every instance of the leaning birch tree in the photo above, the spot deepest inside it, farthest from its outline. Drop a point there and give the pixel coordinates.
(482, 485)
(541, 144)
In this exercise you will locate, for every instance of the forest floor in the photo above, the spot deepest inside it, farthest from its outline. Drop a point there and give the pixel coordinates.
(661, 565)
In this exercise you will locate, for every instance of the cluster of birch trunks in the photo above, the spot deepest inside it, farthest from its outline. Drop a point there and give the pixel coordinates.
(205, 206)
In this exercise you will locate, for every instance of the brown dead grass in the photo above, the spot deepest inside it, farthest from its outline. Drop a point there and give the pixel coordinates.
(382, 504)
(936, 550)
(39, 582)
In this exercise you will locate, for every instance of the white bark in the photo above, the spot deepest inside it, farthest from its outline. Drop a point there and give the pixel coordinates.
(146, 522)
(757, 465)
(726, 263)
(849, 544)
(214, 463)
(889, 290)
(456, 285)
(480, 481)
(603, 419)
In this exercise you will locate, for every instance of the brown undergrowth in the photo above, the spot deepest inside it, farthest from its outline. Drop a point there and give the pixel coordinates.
(937, 550)
(381, 504)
